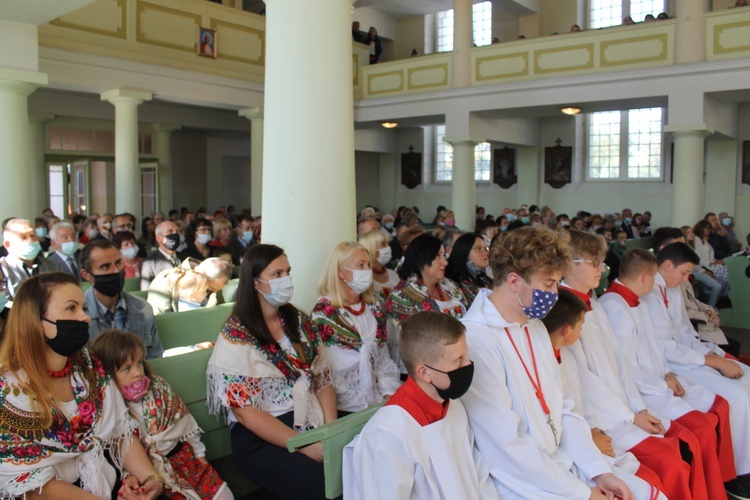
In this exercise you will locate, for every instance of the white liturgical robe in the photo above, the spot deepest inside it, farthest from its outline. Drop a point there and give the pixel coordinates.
(528, 456)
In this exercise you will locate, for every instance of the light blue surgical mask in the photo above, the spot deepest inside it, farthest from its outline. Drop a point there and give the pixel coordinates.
(3, 301)
(26, 251)
(247, 236)
(41, 232)
(188, 305)
(388, 225)
(726, 221)
(525, 219)
(69, 248)
(203, 238)
(511, 217)
(628, 220)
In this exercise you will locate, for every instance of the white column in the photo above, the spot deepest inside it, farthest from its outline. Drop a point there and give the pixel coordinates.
(255, 115)
(163, 151)
(127, 171)
(464, 189)
(37, 170)
(463, 40)
(690, 31)
(308, 144)
(527, 172)
(15, 87)
(688, 185)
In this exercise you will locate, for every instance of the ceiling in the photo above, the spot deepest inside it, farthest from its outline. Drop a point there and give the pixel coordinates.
(38, 12)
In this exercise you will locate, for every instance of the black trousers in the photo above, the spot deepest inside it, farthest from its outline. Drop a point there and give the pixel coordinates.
(289, 475)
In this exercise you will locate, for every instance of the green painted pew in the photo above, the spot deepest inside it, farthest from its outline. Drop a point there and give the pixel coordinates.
(739, 293)
(141, 294)
(334, 436)
(603, 282)
(192, 327)
(230, 289)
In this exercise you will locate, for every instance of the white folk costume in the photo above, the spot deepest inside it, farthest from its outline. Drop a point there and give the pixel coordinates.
(535, 447)
(612, 400)
(383, 290)
(171, 437)
(699, 410)
(277, 379)
(685, 355)
(72, 449)
(356, 343)
(416, 448)
(642, 481)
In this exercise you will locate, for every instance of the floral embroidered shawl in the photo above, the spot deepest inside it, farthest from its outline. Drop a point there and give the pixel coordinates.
(411, 296)
(336, 330)
(30, 456)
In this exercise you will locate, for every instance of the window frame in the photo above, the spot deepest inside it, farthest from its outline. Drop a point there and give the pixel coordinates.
(624, 150)
(626, 11)
(486, 6)
(439, 133)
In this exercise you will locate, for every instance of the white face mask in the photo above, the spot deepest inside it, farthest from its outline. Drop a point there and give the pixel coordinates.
(384, 255)
(361, 280)
(281, 292)
(129, 253)
(91, 233)
(187, 305)
(69, 248)
(203, 238)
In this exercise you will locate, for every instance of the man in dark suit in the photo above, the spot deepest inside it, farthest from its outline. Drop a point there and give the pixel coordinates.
(627, 221)
(23, 259)
(164, 257)
(243, 238)
(64, 248)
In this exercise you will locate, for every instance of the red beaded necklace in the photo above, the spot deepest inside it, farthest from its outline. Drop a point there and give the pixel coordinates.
(357, 313)
(383, 270)
(439, 292)
(64, 372)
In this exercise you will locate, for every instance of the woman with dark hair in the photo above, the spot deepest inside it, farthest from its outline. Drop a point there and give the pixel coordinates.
(268, 375)
(466, 266)
(125, 242)
(197, 237)
(148, 234)
(376, 46)
(61, 412)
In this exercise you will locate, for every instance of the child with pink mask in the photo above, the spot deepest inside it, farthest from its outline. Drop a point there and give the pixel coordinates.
(168, 432)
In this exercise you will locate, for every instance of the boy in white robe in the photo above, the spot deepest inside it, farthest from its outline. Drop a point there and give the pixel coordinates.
(608, 384)
(703, 363)
(564, 323)
(697, 409)
(419, 444)
(524, 425)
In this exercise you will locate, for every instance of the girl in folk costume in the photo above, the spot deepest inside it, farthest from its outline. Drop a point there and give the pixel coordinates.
(352, 326)
(169, 433)
(384, 279)
(59, 411)
(269, 376)
(423, 287)
(467, 264)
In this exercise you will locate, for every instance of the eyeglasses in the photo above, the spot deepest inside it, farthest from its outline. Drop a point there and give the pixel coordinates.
(481, 248)
(595, 263)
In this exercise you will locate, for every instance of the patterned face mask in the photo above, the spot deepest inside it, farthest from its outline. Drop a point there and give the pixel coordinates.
(136, 390)
(541, 303)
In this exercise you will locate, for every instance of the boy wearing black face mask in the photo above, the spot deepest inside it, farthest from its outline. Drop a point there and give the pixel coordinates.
(535, 445)
(419, 444)
(108, 305)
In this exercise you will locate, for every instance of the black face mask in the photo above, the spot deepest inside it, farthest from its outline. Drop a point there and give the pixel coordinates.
(72, 335)
(110, 284)
(460, 381)
(172, 241)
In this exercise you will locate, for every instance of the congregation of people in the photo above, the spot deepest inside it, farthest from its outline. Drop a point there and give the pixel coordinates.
(501, 372)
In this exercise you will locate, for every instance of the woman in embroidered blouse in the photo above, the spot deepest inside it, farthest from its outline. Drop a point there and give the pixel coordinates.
(269, 376)
(467, 264)
(376, 244)
(423, 287)
(59, 410)
(352, 326)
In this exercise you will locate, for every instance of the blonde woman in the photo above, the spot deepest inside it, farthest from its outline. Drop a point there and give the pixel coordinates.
(222, 233)
(352, 326)
(383, 279)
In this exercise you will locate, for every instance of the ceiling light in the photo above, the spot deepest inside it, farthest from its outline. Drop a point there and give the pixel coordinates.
(571, 111)
(389, 124)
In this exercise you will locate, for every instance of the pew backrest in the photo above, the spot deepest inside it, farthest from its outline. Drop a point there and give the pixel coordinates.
(192, 327)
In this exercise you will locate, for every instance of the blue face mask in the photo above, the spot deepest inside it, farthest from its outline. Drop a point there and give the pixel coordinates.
(247, 236)
(628, 220)
(511, 217)
(726, 221)
(188, 305)
(541, 303)
(3, 301)
(525, 219)
(69, 248)
(388, 225)
(618, 223)
(503, 228)
(41, 232)
(27, 251)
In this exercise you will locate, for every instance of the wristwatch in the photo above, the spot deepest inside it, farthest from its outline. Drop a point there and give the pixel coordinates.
(155, 477)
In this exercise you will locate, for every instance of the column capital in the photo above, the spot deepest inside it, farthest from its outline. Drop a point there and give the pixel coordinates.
(41, 117)
(165, 127)
(688, 129)
(21, 82)
(251, 113)
(126, 95)
(455, 140)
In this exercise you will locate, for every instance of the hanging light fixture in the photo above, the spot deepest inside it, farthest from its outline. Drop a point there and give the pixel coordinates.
(571, 111)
